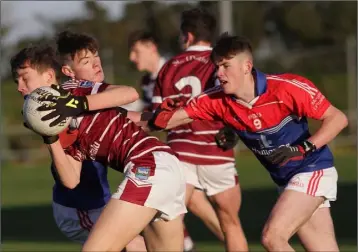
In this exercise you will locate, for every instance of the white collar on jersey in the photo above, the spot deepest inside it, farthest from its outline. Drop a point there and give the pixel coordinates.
(198, 48)
(161, 64)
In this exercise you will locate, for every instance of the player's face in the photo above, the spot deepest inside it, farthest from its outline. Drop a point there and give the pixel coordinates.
(86, 66)
(29, 79)
(231, 73)
(141, 54)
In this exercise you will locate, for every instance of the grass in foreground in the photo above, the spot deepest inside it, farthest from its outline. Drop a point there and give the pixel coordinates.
(27, 223)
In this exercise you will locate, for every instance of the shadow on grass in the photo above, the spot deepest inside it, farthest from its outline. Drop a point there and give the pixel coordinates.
(35, 223)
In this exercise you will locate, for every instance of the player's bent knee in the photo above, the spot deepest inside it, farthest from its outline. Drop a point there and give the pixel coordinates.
(273, 238)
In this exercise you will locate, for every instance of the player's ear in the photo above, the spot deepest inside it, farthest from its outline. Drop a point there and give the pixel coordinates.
(67, 70)
(153, 47)
(248, 66)
(189, 38)
(50, 76)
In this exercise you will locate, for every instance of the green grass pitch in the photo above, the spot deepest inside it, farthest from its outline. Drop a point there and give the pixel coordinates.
(27, 223)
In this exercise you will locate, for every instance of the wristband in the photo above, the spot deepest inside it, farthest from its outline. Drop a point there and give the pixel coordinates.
(308, 146)
(50, 139)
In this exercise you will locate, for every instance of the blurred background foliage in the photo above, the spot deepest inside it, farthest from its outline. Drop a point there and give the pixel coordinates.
(315, 39)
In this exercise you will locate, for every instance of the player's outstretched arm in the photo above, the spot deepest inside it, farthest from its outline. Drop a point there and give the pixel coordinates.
(166, 119)
(67, 104)
(68, 169)
(112, 96)
(333, 122)
(180, 117)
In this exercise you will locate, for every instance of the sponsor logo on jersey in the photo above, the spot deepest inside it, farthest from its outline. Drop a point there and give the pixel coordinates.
(86, 84)
(93, 150)
(142, 173)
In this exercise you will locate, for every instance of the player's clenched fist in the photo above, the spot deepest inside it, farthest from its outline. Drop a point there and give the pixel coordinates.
(163, 114)
(64, 105)
(226, 138)
(284, 154)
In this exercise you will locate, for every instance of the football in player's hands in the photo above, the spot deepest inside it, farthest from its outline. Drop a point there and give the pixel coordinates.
(33, 117)
(226, 138)
(46, 139)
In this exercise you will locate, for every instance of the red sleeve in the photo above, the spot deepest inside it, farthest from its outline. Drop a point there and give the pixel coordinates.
(68, 137)
(304, 98)
(204, 107)
(157, 98)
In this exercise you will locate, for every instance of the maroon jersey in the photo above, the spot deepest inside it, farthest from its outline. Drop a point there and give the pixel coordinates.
(109, 137)
(184, 77)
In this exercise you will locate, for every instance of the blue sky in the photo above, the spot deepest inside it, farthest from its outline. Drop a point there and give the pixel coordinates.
(21, 15)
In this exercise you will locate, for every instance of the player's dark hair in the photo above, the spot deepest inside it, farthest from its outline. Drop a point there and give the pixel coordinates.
(70, 43)
(200, 23)
(39, 57)
(227, 46)
(141, 36)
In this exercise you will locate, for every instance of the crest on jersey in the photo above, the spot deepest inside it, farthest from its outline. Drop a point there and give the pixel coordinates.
(86, 84)
(142, 173)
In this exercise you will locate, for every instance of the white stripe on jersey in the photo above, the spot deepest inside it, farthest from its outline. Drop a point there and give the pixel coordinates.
(203, 132)
(205, 156)
(149, 150)
(118, 134)
(177, 95)
(139, 142)
(108, 126)
(280, 126)
(190, 141)
(93, 120)
(96, 87)
(304, 86)
(269, 103)
(69, 86)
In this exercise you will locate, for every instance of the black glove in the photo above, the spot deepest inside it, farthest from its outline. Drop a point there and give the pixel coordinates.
(284, 154)
(226, 138)
(64, 105)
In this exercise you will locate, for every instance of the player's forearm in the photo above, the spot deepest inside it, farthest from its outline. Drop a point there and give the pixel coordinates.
(180, 117)
(331, 126)
(113, 96)
(69, 175)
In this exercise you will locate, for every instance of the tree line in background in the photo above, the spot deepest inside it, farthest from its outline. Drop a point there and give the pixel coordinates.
(291, 25)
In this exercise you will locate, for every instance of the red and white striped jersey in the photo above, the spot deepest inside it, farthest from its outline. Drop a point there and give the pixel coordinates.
(184, 77)
(109, 137)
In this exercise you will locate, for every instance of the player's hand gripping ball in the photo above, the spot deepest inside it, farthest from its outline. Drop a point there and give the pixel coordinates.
(32, 117)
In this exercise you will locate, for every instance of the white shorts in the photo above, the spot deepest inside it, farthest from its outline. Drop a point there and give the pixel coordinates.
(321, 183)
(164, 191)
(213, 179)
(73, 223)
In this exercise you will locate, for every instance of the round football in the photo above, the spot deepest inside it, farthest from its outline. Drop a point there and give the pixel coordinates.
(32, 117)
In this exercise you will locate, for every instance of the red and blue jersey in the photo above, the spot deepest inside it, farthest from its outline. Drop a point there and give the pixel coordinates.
(276, 116)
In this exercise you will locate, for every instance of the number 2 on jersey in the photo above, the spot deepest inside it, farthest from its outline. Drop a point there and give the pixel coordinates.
(192, 81)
